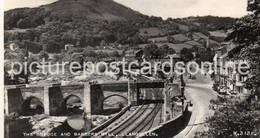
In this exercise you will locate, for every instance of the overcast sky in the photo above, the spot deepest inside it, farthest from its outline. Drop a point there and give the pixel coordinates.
(163, 8)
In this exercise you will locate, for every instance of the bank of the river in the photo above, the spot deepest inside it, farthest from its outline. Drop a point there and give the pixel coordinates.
(33, 126)
(48, 126)
(16, 128)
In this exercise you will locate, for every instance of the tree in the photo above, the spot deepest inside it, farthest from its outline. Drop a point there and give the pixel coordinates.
(172, 51)
(57, 57)
(186, 54)
(203, 54)
(52, 46)
(33, 47)
(234, 117)
(246, 35)
(231, 118)
(103, 43)
(67, 38)
(165, 50)
(23, 23)
(89, 52)
(152, 51)
(43, 55)
(254, 6)
(102, 68)
(114, 54)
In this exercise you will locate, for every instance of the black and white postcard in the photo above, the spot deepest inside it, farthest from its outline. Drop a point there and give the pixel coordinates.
(130, 68)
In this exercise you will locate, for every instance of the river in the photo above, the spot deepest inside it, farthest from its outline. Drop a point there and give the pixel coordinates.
(22, 128)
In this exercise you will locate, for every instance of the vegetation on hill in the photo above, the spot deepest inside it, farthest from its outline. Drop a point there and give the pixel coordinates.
(209, 23)
(93, 9)
(24, 18)
(83, 23)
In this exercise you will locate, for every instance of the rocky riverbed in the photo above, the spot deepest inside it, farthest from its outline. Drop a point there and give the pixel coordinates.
(43, 124)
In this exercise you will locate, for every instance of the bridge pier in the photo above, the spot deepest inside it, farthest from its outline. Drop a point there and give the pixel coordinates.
(164, 104)
(132, 94)
(87, 99)
(46, 102)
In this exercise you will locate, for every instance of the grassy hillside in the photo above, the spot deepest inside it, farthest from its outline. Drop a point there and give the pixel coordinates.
(98, 9)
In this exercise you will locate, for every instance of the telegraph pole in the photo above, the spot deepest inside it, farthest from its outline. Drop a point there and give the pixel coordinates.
(182, 92)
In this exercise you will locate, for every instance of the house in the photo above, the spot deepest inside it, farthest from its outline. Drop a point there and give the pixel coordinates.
(158, 39)
(219, 60)
(68, 46)
(13, 46)
(226, 76)
(176, 57)
(134, 54)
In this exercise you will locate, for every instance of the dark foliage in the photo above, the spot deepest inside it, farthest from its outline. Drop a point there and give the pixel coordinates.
(24, 18)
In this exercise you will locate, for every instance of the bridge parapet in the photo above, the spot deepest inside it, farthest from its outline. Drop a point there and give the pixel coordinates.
(92, 96)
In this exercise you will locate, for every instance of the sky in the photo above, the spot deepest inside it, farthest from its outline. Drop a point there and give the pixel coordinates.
(163, 8)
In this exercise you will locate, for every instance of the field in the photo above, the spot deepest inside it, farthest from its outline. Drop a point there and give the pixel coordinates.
(183, 27)
(180, 37)
(218, 34)
(158, 39)
(16, 30)
(177, 37)
(194, 43)
(199, 35)
(152, 31)
(176, 47)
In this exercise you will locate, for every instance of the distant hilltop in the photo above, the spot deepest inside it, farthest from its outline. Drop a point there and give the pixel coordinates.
(97, 9)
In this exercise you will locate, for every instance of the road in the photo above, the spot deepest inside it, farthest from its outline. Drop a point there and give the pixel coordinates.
(200, 93)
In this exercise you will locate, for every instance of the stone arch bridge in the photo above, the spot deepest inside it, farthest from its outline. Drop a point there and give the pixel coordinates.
(92, 96)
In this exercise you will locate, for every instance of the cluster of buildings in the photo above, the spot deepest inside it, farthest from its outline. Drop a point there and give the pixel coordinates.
(227, 79)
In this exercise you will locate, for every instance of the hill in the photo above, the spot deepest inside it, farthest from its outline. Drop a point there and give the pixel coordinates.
(97, 9)
(95, 23)
(211, 23)
(68, 11)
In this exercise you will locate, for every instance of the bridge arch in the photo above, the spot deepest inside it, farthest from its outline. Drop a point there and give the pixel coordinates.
(31, 106)
(114, 106)
(71, 105)
(113, 96)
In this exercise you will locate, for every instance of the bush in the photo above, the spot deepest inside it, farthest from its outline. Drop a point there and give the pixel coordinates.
(57, 57)
(43, 54)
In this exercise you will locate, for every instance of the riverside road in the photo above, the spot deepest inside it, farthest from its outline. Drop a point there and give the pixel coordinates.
(200, 93)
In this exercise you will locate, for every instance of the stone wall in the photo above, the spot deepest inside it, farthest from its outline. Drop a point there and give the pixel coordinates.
(97, 98)
(14, 101)
(55, 99)
(115, 87)
(172, 127)
(37, 92)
